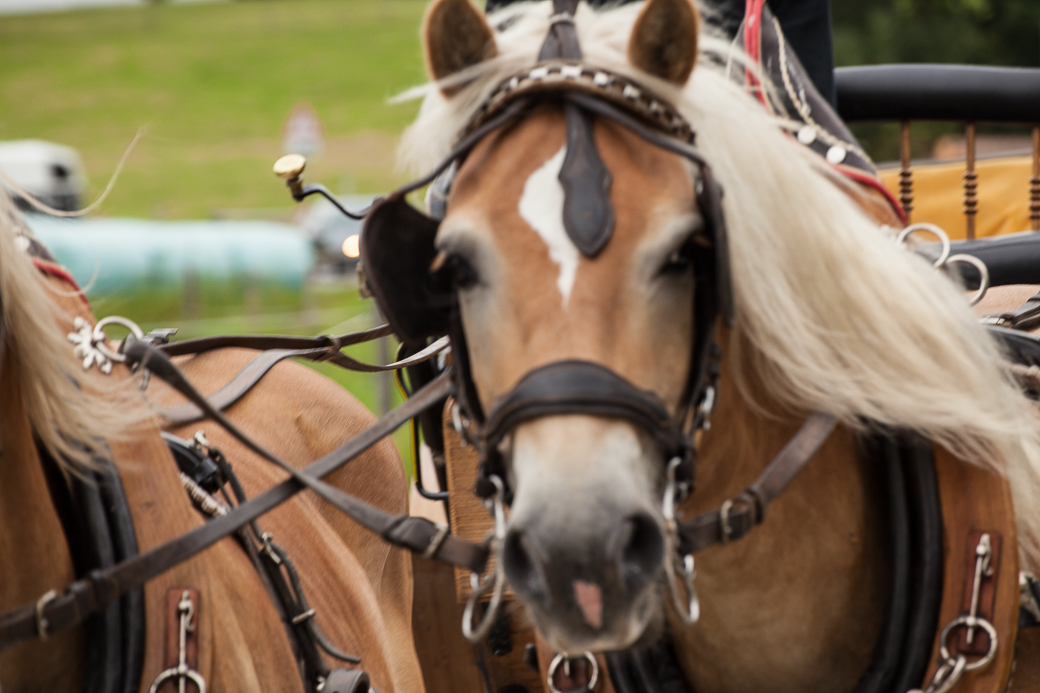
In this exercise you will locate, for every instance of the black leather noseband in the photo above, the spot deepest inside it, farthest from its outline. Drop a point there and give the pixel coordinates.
(577, 387)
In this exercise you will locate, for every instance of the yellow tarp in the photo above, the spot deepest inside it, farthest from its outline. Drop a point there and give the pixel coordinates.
(1003, 194)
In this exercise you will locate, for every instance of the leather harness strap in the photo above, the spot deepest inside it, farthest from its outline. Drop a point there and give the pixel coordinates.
(233, 391)
(254, 371)
(739, 515)
(1024, 318)
(410, 532)
(261, 341)
(347, 681)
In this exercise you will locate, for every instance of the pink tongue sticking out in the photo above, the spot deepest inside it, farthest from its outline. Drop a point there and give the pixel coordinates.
(590, 598)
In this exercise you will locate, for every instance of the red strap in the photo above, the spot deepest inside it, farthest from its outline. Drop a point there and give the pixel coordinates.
(871, 182)
(753, 42)
(61, 273)
(753, 47)
(753, 28)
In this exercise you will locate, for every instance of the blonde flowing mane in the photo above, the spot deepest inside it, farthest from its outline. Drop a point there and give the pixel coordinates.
(833, 315)
(38, 358)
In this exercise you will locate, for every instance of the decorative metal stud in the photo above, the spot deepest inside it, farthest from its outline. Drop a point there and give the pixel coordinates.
(837, 154)
(85, 347)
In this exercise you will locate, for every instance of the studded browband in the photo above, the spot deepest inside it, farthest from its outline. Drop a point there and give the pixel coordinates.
(560, 75)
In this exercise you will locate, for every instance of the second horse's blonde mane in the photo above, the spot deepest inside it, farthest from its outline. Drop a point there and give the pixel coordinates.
(838, 318)
(71, 413)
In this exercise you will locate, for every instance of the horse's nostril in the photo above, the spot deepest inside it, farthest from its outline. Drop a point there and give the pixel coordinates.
(519, 566)
(643, 550)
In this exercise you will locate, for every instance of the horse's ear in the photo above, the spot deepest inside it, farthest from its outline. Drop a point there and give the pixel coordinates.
(455, 36)
(664, 40)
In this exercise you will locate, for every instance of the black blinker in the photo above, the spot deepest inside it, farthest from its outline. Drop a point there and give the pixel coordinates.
(397, 250)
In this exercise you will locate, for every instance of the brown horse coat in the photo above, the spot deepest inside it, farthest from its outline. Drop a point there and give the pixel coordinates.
(360, 588)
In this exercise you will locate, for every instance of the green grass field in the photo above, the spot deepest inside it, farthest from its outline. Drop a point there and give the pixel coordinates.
(212, 84)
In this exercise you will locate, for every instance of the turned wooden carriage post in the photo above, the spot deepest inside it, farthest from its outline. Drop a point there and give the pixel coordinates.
(1034, 183)
(971, 182)
(906, 174)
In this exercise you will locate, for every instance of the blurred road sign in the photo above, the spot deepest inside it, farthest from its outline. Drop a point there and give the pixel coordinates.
(302, 132)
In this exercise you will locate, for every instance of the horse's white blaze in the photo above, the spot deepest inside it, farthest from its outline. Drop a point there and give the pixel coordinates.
(541, 206)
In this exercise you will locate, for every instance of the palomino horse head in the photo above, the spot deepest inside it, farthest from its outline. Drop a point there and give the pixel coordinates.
(833, 317)
(586, 540)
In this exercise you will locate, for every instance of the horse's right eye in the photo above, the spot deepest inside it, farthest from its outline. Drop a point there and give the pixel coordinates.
(459, 271)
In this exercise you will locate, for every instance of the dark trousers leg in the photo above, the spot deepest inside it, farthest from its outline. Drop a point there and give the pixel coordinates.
(807, 27)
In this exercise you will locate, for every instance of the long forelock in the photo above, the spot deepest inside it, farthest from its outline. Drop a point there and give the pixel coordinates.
(837, 317)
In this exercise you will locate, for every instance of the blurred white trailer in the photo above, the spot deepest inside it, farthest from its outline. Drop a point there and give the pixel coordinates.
(52, 173)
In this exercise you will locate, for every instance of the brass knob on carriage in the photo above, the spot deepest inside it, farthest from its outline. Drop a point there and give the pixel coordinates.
(289, 168)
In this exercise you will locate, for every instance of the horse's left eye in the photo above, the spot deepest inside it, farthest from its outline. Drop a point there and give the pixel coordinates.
(678, 262)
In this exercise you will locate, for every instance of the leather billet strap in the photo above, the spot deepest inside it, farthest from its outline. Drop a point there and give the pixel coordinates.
(562, 39)
(1025, 317)
(255, 370)
(739, 515)
(93, 593)
(265, 342)
(233, 391)
(325, 348)
(347, 681)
